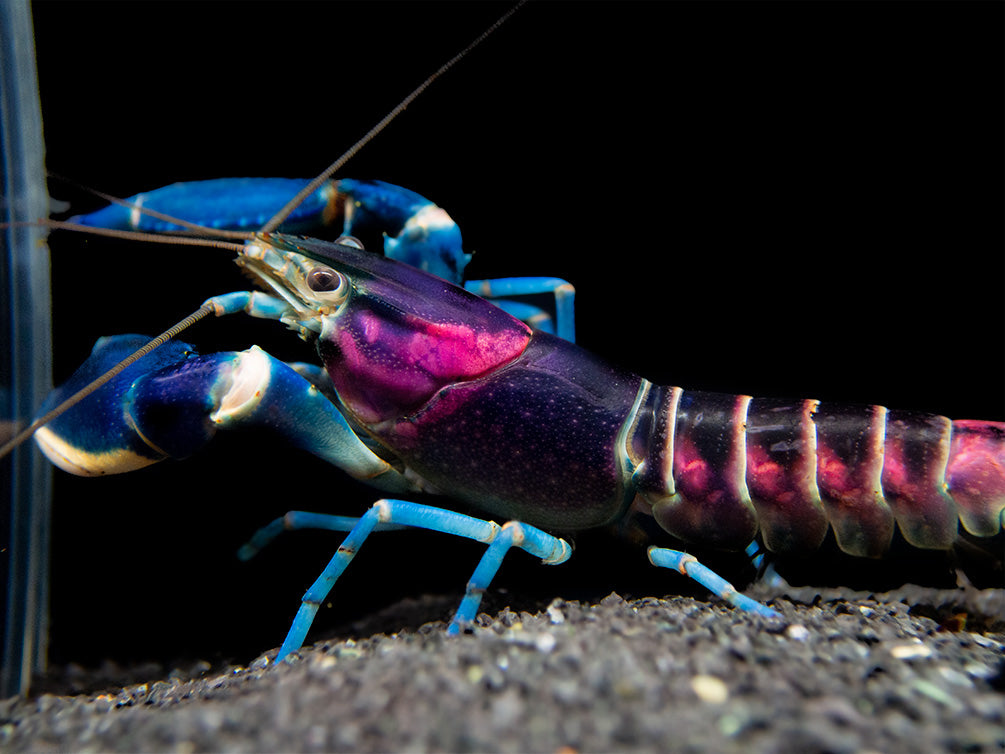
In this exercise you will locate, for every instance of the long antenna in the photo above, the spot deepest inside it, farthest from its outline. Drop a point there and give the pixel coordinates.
(191, 228)
(271, 225)
(314, 185)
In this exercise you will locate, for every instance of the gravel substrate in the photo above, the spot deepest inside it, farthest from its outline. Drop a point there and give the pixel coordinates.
(847, 674)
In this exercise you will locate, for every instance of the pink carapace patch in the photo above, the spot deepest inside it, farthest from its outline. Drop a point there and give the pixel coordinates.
(388, 368)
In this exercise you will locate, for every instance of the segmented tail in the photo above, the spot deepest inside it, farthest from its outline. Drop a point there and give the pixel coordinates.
(718, 468)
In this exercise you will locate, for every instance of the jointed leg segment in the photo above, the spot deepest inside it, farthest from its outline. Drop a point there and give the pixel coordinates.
(551, 550)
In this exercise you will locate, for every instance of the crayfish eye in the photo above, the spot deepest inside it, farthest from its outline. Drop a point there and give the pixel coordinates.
(350, 241)
(325, 280)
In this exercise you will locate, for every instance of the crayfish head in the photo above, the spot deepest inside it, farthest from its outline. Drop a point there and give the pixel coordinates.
(311, 290)
(391, 336)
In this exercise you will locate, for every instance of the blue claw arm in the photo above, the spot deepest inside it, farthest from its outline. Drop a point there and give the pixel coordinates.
(222, 203)
(170, 403)
(414, 230)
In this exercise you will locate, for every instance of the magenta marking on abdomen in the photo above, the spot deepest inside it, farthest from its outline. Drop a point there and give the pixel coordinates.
(975, 475)
(916, 453)
(709, 468)
(782, 474)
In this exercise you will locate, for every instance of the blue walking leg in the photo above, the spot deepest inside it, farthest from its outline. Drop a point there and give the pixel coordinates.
(294, 520)
(533, 316)
(564, 292)
(756, 553)
(551, 550)
(404, 513)
(766, 572)
(690, 567)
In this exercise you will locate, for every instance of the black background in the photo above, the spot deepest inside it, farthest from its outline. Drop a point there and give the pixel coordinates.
(776, 199)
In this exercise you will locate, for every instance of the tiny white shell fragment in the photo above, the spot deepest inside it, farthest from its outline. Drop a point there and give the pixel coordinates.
(797, 632)
(911, 651)
(710, 689)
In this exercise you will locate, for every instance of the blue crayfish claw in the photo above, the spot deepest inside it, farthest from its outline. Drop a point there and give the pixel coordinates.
(414, 230)
(409, 227)
(98, 435)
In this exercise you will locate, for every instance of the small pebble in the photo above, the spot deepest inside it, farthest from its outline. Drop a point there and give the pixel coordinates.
(555, 614)
(710, 689)
(797, 632)
(545, 642)
(911, 651)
